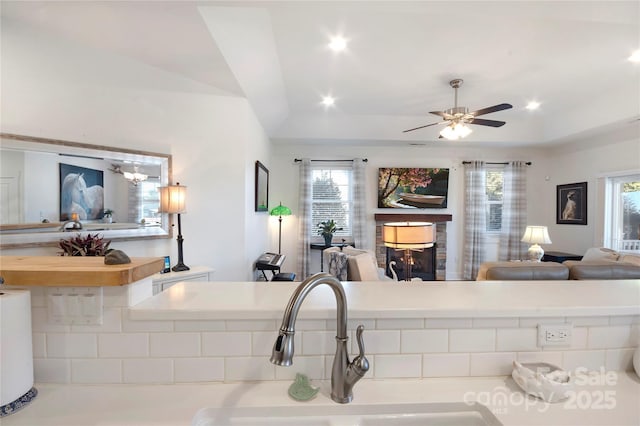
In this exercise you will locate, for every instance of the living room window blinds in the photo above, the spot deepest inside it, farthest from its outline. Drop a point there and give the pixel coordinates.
(332, 198)
(494, 187)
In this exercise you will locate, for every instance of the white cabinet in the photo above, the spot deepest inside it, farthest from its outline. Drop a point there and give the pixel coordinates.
(162, 282)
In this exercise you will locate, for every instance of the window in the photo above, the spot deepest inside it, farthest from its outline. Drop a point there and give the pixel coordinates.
(331, 196)
(622, 231)
(494, 187)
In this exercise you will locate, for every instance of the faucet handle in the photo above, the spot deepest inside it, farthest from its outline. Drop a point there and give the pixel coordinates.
(360, 362)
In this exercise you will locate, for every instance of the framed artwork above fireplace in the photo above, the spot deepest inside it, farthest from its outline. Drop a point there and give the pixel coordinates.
(411, 188)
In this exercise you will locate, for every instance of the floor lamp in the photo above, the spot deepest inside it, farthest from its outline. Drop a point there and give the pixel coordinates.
(408, 236)
(172, 201)
(280, 211)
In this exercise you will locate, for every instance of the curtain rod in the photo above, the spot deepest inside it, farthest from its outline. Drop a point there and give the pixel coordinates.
(528, 163)
(297, 160)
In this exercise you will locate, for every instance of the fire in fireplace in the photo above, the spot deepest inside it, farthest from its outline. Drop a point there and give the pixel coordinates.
(424, 263)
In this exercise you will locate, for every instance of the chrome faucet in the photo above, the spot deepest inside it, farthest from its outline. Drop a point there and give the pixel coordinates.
(344, 374)
(75, 225)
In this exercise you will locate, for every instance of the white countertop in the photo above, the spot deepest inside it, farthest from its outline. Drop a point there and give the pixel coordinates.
(161, 405)
(386, 299)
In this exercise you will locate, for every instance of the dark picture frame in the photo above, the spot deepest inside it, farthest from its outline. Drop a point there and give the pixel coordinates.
(571, 204)
(410, 188)
(262, 188)
(81, 192)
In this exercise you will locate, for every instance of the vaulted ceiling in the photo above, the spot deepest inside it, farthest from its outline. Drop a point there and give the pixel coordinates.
(569, 56)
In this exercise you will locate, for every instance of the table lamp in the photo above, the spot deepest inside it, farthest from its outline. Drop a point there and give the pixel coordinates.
(280, 211)
(408, 236)
(536, 235)
(172, 201)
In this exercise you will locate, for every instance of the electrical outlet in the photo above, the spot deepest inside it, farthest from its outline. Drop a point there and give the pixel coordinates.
(554, 334)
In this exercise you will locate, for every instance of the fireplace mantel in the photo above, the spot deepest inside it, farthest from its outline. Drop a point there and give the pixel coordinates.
(412, 217)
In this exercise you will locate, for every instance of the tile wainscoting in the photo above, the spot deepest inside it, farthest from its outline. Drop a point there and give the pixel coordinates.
(122, 350)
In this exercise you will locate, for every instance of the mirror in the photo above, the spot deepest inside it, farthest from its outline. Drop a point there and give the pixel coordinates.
(50, 188)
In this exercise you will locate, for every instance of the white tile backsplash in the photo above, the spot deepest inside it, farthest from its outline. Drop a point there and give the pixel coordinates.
(96, 371)
(397, 366)
(72, 345)
(474, 340)
(123, 345)
(122, 350)
(193, 370)
(608, 337)
(492, 364)
(200, 326)
(424, 341)
(445, 365)
(516, 339)
(174, 345)
(147, 370)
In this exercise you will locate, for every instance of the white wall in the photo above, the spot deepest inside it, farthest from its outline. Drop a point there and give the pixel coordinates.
(58, 89)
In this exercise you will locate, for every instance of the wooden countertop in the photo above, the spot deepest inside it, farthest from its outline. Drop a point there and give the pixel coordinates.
(57, 271)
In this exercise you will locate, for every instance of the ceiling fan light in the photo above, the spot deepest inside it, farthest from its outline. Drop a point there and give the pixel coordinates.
(456, 131)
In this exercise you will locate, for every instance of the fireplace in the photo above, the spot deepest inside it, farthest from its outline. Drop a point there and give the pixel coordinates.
(423, 263)
(437, 255)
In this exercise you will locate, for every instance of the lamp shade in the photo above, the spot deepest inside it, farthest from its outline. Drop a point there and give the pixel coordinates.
(172, 199)
(408, 235)
(536, 235)
(280, 211)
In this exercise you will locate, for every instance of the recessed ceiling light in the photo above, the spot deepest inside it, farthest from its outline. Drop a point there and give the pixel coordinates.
(328, 101)
(533, 105)
(635, 56)
(338, 44)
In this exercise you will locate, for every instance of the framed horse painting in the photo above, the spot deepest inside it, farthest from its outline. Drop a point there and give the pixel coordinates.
(81, 193)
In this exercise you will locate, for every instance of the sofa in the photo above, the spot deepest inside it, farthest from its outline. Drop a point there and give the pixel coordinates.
(598, 263)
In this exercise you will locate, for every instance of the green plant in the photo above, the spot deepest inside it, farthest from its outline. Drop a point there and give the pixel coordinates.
(89, 245)
(107, 212)
(328, 228)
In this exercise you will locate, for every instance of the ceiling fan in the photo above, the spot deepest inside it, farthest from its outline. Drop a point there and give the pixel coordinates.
(457, 117)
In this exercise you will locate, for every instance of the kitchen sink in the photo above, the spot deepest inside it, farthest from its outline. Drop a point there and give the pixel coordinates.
(425, 414)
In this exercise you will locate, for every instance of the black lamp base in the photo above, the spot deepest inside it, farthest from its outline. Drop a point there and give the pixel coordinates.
(180, 266)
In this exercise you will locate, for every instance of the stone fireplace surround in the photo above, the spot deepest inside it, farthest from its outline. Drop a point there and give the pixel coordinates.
(440, 220)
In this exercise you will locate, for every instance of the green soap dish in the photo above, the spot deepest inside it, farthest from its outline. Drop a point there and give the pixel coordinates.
(301, 390)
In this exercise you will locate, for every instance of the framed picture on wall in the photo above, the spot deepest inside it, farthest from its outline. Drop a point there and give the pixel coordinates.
(571, 204)
(81, 193)
(411, 188)
(262, 187)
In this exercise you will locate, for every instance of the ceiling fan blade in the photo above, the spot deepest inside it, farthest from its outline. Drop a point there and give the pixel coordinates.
(483, 122)
(491, 109)
(422, 127)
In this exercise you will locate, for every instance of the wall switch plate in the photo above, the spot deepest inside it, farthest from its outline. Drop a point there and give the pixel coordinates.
(74, 305)
(554, 334)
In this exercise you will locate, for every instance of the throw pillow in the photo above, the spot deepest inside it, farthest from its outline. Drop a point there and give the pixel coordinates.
(600, 253)
(364, 269)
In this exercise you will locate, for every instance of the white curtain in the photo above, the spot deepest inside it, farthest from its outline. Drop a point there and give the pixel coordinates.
(304, 222)
(359, 204)
(514, 211)
(475, 211)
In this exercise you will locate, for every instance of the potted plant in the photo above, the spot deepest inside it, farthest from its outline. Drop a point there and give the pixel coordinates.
(89, 245)
(327, 229)
(107, 216)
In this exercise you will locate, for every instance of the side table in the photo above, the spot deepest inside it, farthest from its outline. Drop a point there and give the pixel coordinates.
(558, 256)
